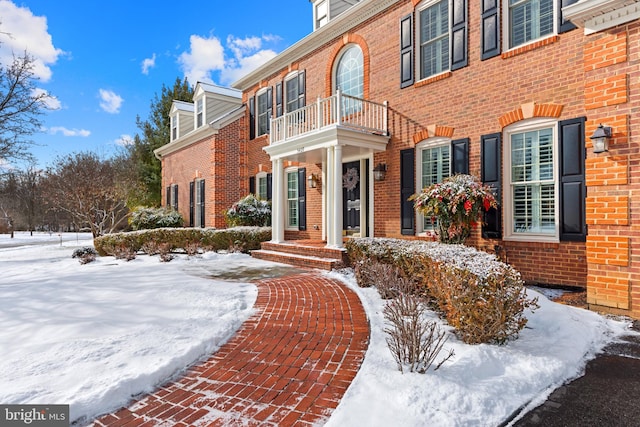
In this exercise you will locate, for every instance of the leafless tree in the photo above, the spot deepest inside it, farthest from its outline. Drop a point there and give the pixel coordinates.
(89, 189)
(20, 197)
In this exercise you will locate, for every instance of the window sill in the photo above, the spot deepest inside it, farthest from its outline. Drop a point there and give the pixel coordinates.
(531, 46)
(532, 238)
(432, 79)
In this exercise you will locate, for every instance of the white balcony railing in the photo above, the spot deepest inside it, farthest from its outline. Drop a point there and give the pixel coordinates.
(337, 110)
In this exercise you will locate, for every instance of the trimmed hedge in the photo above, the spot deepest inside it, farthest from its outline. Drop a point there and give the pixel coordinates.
(481, 297)
(144, 218)
(237, 239)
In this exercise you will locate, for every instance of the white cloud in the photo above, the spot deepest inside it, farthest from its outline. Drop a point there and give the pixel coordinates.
(148, 63)
(69, 132)
(23, 31)
(51, 102)
(124, 140)
(110, 101)
(207, 55)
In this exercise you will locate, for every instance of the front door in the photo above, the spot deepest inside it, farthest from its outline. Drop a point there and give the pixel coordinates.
(351, 180)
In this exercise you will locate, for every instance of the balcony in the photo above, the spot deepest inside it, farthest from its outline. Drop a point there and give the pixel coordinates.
(337, 111)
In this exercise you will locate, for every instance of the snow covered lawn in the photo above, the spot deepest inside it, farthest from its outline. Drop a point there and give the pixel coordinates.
(94, 335)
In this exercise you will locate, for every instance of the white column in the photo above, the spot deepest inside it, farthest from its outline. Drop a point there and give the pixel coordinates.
(324, 200)
(277, 202)
(329, 197)
(337, 197)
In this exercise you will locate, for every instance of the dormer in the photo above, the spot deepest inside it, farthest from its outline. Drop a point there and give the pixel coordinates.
(211, 101)
(181, 115)
(326, 10)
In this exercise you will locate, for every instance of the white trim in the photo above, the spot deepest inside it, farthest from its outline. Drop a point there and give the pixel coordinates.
(259, 176)
(287, 171)
(429, 143)
(418, 48)
(506, 33)
(285, 100)
(599, 15)
(519, 127)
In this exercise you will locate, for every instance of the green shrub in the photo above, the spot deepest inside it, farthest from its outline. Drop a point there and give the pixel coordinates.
(143, 218)
(249, 211)
(189, 240)
(481, 297)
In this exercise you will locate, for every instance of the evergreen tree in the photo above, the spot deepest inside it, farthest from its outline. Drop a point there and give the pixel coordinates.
(155, 132)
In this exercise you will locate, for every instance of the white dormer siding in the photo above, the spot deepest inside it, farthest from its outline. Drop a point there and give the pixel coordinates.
(326, 10)
(181, 115)
(212, 101)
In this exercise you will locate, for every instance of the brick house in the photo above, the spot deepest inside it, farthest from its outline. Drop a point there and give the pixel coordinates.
(385, 97)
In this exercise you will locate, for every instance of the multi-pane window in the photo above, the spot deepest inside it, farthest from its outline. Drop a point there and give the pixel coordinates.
(322, 13)
(199, 112)
(174, 127)
(434, 166)
(434, 39)
(199, 205)
(350, 72)
(292, 94)
(292, 199)
(533, 182)
(529, 20)
(264, 112)
(262, 187)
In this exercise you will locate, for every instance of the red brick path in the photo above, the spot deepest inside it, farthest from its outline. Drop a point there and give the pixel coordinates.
(289, 364)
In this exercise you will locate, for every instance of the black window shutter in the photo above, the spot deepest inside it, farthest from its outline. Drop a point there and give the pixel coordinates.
(490, 175)
(564, 26)
(175, 197)
(459, 56)
(406, 51)
(301, 89)
(169, 196)
(192, 188)
(490, 29)
(202, 199)
(252, 185)
(252, 118)
(269, 107)
(407, 189)
(460, 156)
(279, 99)
(302, 199)
(269, 186)
(573, 225)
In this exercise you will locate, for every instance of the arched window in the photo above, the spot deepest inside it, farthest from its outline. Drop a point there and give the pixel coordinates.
(350, 72)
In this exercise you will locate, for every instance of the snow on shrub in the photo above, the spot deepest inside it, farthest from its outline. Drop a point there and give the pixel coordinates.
(481, 297)
(143, 218)
(249, 211)
(85, 255)
(189, 240)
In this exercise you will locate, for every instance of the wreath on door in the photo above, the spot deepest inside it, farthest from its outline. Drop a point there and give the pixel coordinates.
(350, 179)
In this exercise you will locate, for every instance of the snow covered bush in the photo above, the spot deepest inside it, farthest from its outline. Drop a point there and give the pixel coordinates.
(85, 255)
(143, 218)
(188, 240)
(249, 211)
(457, 205)
(481, 297)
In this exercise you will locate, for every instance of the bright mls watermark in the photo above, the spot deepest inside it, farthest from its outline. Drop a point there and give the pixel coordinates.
(34, 415)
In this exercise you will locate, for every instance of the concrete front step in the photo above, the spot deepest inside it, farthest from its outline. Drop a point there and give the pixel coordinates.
(297, 260)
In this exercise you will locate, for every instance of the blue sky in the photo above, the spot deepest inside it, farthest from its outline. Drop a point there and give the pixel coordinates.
(103, 61)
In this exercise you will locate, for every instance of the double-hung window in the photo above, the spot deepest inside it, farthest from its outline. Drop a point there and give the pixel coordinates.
(174, 127)
(262, 186)
(434, 38)
(321, 13)
(292, 199)
(199, 112)
(531, 199)
(529, 20)
(292, 91)
(433, 165)
(264, 112)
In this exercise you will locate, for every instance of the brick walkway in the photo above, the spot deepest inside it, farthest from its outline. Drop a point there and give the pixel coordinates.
(289, 364)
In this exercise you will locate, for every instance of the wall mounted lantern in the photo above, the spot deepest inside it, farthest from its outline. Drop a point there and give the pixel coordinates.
(312, 180)
(380, 172)
(600, 139)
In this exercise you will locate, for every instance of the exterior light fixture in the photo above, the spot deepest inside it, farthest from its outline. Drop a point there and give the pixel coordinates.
(312, 180)
(380, 172)
(600, 139)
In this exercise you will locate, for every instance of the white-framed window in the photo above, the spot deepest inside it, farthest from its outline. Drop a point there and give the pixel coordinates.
(433, 164)
(174, 127)
(528, 20)
(264, 107)
(434, 31)
(199, 112)
(292, 198)
(261, 186)
(199, 203)
(321, 13)
(293, 93)
(531, 181)
(349, 77)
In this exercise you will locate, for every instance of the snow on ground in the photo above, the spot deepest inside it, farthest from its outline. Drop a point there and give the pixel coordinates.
(481, 385)
(93, 336)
